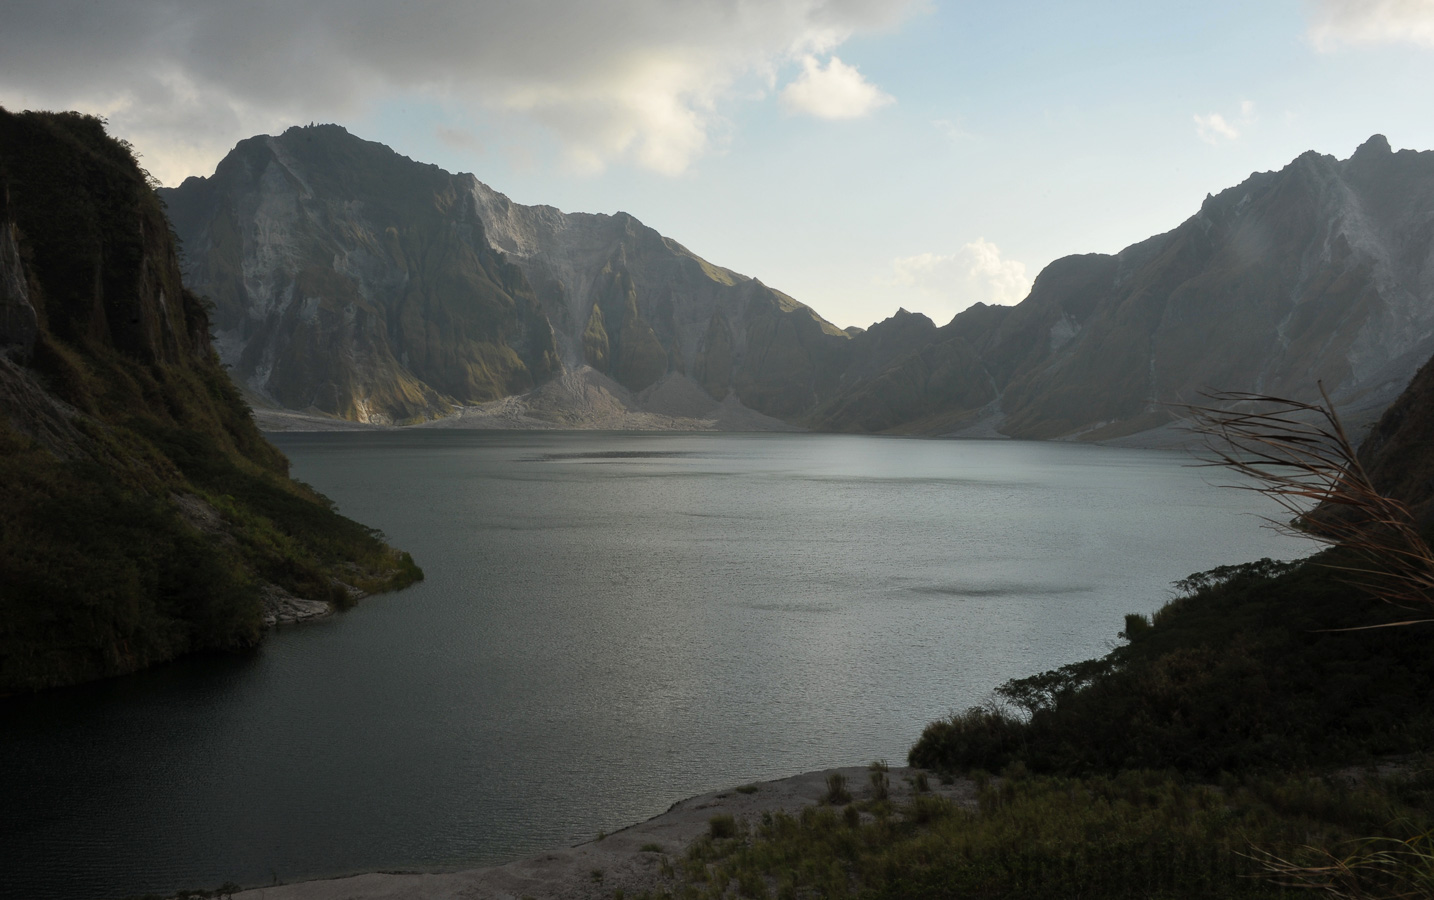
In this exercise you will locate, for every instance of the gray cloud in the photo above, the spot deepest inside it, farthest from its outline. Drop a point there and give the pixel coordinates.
(629, 80)
(1337, 22)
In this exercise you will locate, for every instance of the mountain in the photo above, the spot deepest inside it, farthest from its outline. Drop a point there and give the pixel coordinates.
(145, 516)
(352, 281)
(1398, 453)
(1323, 271)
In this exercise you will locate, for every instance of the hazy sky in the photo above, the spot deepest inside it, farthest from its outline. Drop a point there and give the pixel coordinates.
(858, 154)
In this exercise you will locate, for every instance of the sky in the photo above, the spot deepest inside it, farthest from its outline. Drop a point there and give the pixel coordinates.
(859, 155)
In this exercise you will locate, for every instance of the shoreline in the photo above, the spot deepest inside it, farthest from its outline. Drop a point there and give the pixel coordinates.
(616, 862)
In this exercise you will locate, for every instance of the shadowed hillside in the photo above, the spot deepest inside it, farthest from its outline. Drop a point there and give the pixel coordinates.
(145, 516)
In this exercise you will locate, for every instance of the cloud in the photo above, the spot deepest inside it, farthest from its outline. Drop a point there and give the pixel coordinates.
(1214, 128)
(1366, 22)
(458, 138)
(977, 273)
(951, 131)
(833, 91)
(636, 81)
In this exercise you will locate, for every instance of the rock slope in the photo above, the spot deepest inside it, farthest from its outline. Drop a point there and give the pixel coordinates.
(351, 281)
(1322, 271)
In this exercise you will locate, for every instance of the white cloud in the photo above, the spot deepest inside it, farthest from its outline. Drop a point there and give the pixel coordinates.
(1365, 22)
(637, 81)
(833, 91)
(977, 273)
(951, 131)
(1214, 128)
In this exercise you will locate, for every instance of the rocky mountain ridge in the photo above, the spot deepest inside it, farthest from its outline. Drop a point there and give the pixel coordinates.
(353, 282)
(1322, 271)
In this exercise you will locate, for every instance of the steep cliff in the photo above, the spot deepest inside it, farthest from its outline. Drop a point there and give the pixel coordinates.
(1321, 271)
(144, 514)
(352, 281)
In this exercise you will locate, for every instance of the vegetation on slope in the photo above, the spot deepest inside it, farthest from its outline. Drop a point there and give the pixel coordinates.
(1249, 669)
(145, 515)
(1135, 834)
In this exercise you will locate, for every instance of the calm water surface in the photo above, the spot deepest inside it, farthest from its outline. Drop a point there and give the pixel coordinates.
(610, 623)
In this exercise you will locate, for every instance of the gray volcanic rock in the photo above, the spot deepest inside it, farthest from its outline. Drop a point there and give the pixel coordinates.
(1323, 271)
(351, 281)
(637, 306)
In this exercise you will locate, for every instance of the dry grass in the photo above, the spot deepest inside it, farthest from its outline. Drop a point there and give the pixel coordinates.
(1382, 868)
(1299, 455)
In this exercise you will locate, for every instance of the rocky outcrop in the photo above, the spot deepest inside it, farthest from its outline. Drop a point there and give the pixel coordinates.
(351, 281)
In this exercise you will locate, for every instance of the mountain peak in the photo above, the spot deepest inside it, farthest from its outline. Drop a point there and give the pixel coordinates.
(1377, 144)
(316, 128)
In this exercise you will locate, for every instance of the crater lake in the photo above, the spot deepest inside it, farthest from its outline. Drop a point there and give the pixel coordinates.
(610, 623)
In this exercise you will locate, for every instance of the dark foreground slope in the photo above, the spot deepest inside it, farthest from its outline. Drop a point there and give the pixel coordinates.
(1398, 453)
(144, 514)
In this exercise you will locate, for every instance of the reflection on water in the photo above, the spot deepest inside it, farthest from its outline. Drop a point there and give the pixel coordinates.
(634, 620)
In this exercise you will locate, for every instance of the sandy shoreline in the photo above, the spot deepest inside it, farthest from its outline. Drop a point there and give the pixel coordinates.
(599, 868)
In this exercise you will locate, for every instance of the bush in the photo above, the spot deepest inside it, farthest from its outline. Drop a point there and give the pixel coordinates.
(1248, 669)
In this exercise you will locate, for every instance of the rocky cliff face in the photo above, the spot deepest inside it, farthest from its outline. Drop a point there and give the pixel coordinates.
(144, 514)
(352, 281)
(1323, 271)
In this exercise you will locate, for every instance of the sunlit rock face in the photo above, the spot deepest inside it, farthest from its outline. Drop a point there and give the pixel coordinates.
(352, 281)
(1321, 272)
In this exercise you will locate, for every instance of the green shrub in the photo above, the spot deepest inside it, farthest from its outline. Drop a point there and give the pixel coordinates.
(1248, 669)
(722, 827)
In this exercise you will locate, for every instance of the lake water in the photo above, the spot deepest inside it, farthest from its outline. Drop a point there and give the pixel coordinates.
(609, 623)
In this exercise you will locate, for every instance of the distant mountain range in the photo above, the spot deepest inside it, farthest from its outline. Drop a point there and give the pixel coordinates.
(353, 282)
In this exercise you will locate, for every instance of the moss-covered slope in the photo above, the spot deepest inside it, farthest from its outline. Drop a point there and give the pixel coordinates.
(144, 514)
